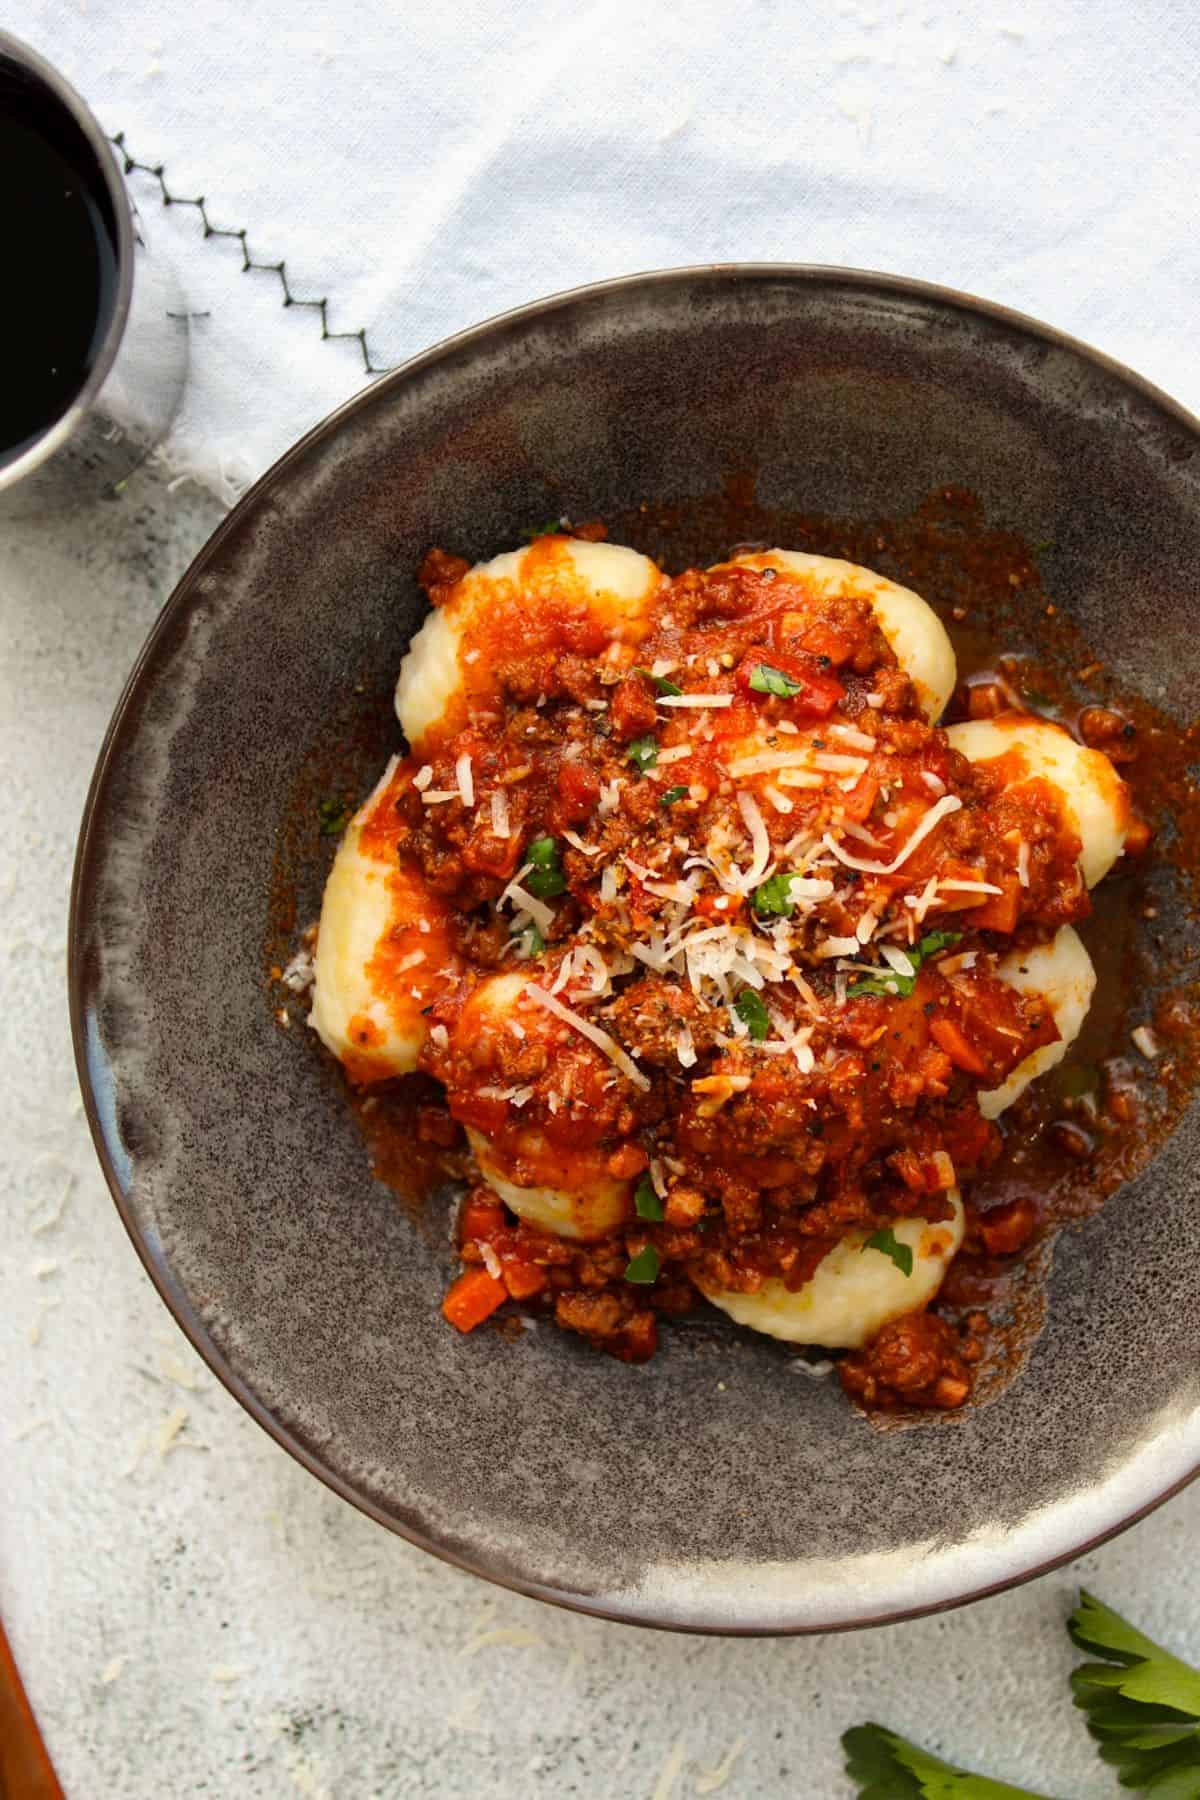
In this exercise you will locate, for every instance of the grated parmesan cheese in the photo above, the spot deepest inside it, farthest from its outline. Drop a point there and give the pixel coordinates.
(593, 1033)
(695, 700)
(423, 777)
(1023, 863)
(465, 778)
(1146, 1042)
(968, 887)
(941, 809)
(501, 820)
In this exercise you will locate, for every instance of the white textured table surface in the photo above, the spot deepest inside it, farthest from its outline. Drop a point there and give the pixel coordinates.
(193, 1613)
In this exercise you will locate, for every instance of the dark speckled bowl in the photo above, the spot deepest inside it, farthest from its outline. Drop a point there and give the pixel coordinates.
(654, 1494)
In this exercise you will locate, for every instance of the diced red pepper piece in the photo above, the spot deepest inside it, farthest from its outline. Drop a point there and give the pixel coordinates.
(822, 640)
(578, 793)
(861, 798)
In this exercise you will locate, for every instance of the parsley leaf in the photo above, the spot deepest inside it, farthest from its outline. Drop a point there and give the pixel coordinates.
(644, 1266)
(767, 679)
(672, 795)
(774, 897)
(887, 1767)
(933, 941)
(1142, 1703)
(334, 816)
(660, 681)
(753, 1014)
(546, 878)
(887, 1242)
(644, 752)
(551, 528)
(646, 1202)
(889, 983)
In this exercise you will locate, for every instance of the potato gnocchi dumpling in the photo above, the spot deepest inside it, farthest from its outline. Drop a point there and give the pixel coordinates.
(382, 955)
(572, 1195)
(917, 636)
(855, 1290)
(591, 1205)
(1062, 973)
(1094, 799)
(507, 602)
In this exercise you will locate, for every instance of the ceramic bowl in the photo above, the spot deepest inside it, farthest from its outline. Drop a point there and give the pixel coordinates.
(713, 1489)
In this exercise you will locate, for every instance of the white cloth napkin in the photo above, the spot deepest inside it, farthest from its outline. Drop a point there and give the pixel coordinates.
(424, 166)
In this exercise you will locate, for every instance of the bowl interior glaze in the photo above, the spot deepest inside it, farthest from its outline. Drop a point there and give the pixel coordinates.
(715, 1488)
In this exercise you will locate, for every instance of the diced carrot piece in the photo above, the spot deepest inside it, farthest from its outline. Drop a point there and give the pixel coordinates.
(1002, 910)
(522, 1279)
(718, 906)
(473, 1298)
(481, 1219)
(1008, 1228)
(861, 798)
(947, 1034)
(950, 901)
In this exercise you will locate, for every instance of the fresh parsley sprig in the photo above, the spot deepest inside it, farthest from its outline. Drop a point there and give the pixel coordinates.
(1142, 1706)
(888, 1767)
(1141, 1703)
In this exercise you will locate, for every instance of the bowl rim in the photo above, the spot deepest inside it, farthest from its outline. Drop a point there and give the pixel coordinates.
(78, 984)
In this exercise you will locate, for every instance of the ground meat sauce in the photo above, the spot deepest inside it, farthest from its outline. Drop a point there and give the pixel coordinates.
(855, 1104)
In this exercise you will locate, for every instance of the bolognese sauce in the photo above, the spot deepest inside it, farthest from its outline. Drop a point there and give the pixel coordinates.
(715, 944)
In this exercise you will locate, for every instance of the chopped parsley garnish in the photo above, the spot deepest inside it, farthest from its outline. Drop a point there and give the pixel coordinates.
(546, 878)
(674, 794)
(774, 897)
(644, 752)
(887, 1243)
(750, 1010)
(889, 983)
(660, 681)
(644, 1266)
(646, 1202)
(334, 816)
(551, 528)
(530, 942)
(767, 679)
